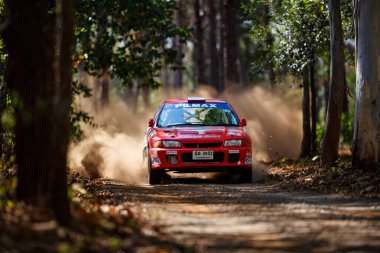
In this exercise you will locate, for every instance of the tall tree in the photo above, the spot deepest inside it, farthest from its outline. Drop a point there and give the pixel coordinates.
(221, 53)
(306, 140)
(198, 41)
(301, 31)
(59, 136)
(313, 94)
(330, 143)
(41, 82)
(366, 141)
(2, 108)
(3, 89)
(180, 20)
(214, 63)
(231, 42)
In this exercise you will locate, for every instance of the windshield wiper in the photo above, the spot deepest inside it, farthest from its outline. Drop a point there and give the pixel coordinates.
(186, 124)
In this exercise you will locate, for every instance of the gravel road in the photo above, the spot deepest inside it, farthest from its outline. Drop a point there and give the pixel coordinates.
(212, 216)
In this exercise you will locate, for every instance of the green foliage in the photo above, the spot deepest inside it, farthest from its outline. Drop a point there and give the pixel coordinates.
(7, 137)
(347, 10)
(299, 29)
(319, 133)
(339, 166)
(78, 116)
(302, 33)
(347, 128)
(258, 15)
(128, 39)
(283, 161)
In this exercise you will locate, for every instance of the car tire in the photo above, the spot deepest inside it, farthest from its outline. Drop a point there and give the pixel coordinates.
(245, 176)
(154, 176)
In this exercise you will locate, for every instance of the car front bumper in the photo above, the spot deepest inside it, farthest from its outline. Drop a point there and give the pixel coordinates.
(181, 159)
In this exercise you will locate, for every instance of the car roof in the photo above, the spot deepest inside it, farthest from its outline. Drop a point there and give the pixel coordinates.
(207, 100)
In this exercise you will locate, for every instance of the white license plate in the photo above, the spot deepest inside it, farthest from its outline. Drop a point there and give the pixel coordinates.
(203, 155)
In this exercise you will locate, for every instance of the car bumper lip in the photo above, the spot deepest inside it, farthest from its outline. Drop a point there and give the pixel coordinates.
(242, 157)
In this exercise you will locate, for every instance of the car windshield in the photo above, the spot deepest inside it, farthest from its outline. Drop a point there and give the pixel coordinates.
(192, 114)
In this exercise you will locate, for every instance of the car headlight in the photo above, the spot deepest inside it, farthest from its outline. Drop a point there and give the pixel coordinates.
(232, 143)
(171, 144)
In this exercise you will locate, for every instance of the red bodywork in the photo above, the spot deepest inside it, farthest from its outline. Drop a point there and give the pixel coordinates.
(197, 138)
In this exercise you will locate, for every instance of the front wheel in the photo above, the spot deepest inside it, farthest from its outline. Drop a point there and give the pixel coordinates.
(154, 176)
(245, 175)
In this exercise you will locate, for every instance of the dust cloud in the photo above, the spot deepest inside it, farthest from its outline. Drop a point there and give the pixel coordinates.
(113, 149)
(274, 120)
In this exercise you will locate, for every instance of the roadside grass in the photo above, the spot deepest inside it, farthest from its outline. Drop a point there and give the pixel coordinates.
(306, 174)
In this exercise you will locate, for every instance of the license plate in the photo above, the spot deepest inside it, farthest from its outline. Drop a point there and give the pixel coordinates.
(203, 155)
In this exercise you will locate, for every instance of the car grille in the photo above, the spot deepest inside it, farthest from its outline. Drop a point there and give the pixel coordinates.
(202, 144)
(188, 158)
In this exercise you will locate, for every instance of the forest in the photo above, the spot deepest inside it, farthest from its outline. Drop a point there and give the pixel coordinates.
(79, 80)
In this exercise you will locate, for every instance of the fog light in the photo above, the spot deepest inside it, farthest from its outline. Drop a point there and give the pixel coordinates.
(248, 158)
(156, 161)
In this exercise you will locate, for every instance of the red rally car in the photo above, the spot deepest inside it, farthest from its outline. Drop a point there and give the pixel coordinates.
(197, 135)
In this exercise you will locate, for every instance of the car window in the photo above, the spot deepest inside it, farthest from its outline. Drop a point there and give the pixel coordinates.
(218, 114)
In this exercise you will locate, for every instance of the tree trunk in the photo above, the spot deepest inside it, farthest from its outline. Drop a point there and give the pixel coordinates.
(313, 94)
(345, 97)
(240, 67)
(62, 105)
(330, 144)
(232, 74)
(198, 42)
(165, 77)
(269, 40)
(104, 81)
(326, 97)
(366, 141)
(2, 109)
(214, 65)
(179, 48)
(306, 140)
(43, 103)
(222, 48)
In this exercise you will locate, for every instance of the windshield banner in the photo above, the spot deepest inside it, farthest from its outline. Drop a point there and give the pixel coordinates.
(197, 105)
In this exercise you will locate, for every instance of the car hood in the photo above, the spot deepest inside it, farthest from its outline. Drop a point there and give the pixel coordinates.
(204, 132)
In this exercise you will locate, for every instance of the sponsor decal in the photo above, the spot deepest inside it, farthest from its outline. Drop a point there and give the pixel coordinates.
(171, 152)
(197, 105)
(233, 151)
(191, 136)
(185, 105)
(211, 136)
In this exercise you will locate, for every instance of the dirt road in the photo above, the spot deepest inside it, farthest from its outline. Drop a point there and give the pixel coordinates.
(211, 216)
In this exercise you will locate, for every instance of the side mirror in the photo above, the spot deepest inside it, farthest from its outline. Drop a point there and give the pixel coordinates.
(243, 122)
(151, 123)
